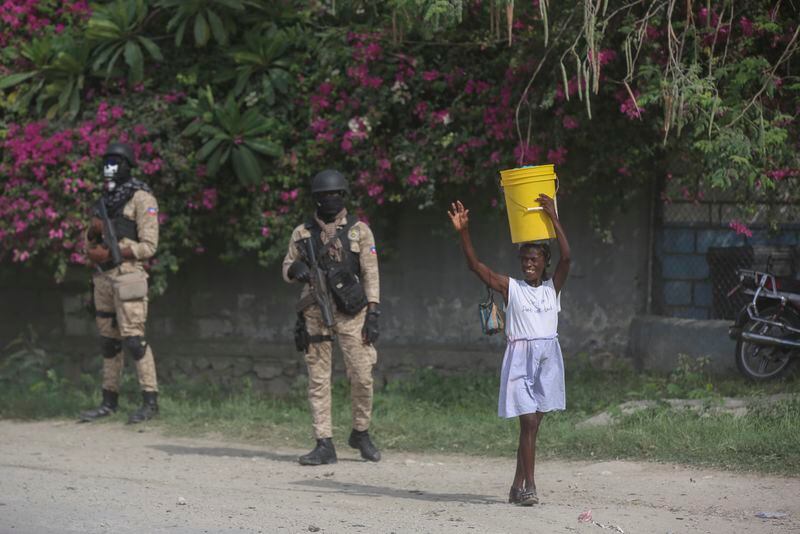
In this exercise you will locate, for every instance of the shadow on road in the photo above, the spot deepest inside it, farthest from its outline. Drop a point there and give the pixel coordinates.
(224, 451)
(378, 491)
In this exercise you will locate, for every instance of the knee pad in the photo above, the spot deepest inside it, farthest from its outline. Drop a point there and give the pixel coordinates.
(135, 346)
(110, 347)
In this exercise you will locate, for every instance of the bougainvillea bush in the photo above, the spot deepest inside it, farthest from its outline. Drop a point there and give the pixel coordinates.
(232, 106)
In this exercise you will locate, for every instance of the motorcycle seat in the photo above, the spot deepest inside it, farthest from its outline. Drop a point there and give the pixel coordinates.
(788, 284)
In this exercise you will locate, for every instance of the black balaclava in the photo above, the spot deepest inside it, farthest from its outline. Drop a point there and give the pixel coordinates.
(116, 172)
(329, 205)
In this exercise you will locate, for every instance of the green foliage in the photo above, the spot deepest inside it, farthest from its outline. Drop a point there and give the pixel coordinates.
(206, 19)
(264, 55)
(229, 135)
(116, 29)
(691, 378)
(60, 65)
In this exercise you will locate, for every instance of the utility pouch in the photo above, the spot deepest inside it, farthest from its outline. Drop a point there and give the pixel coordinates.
(347, 291)
(130, 286)
(492, 316)
(301, 338)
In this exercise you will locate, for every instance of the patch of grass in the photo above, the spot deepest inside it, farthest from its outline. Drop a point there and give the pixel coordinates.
(430, 412)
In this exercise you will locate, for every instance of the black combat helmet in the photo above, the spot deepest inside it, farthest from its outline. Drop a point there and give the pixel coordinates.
(123, 150)
(329, 180)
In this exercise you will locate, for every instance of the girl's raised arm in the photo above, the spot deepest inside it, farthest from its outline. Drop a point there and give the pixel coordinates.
(564, 260)
(459, 216)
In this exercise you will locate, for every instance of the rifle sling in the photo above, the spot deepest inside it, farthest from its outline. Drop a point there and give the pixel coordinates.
(341, 233)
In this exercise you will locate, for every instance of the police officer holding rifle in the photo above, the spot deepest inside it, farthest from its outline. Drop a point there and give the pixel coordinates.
(123, 234)
(333, 254)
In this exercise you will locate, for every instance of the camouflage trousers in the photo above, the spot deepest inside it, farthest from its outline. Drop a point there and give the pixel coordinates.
(117, 319)
(358, 359)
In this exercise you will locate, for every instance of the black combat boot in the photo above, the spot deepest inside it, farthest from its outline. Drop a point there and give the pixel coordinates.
(107, 407)
(359, 439)
(323, 453)
(147, 410)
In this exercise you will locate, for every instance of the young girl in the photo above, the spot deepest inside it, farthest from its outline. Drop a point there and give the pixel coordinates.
(532, 377)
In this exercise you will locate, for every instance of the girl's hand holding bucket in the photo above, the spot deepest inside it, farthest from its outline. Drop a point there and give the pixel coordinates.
(548, 205)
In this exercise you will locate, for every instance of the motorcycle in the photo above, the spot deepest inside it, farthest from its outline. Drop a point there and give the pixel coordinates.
(767, 329)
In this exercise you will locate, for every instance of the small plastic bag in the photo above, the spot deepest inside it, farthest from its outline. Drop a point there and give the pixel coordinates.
(493, 320)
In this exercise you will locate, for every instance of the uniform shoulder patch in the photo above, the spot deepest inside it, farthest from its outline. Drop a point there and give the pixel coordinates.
(353, 234)
(152, 211)
(373, 251)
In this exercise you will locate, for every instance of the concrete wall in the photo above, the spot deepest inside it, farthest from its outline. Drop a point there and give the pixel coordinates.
(657, 342)
(236, 320)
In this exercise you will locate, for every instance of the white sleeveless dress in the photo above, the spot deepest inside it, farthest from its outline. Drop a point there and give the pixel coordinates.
(532, 377)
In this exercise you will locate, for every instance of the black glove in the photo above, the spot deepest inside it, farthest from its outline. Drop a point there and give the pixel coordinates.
(370, 332)
(299, 271)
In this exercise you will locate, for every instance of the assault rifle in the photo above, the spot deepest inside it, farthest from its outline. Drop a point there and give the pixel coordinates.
(318, 285)
(109, 233)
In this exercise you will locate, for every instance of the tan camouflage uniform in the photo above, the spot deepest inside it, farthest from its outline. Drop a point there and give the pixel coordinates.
(358, 357)
(129, 316)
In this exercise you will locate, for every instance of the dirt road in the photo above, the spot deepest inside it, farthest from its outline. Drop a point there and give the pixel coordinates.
(64, 477)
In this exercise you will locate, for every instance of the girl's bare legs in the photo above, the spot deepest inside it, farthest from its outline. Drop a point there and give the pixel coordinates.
(526, 450)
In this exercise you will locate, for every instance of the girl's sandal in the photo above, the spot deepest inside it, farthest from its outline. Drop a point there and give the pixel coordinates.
(527, 497)
(513, 495)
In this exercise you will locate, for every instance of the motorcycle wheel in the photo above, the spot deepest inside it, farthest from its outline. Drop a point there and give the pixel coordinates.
(764, 362)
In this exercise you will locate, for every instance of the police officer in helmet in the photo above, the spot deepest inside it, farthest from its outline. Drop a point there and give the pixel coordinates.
(333, 255)
(129, 228)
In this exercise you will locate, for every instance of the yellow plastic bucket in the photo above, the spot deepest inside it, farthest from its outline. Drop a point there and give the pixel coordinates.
(521, 187)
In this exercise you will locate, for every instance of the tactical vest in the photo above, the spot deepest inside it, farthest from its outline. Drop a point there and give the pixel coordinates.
(343, 277)
(350, 259)
(125, 228)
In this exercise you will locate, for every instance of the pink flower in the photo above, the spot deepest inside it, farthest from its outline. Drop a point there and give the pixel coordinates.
(606, 56)
(740, 228)
(319, 125)
(630, 108)
(319, 102)
(199, 249)
(384, 164)
(747, 26)
(325, 137)
(441, 117)
(209, 198)
(780, 174)
(430, 75)
(526, 154)
(346, 145)
(77, 258)
(557, 156)
(20, 256)
(265, 231)
(569, 122)
(416, 177)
